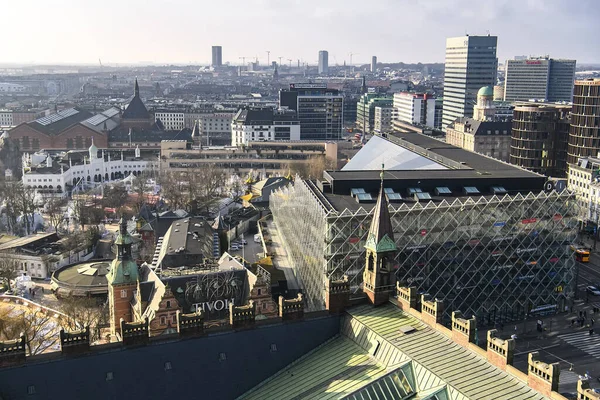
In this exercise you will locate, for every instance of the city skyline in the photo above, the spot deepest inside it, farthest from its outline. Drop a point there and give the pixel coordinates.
(132, 34)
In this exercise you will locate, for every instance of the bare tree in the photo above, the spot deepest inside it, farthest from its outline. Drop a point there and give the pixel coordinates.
(114, 196)
(87, 212)
(313, 168)
(205, 185)
(19, 200)
(40, 328)
(54, 210)
(9, 269)
(173, 187)
(84, 311)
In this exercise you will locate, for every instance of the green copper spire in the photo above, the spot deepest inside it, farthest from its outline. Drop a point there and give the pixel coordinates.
(381, 234)
(123, 269)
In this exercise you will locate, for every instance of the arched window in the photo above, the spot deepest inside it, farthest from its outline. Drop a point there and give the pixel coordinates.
(370, 262)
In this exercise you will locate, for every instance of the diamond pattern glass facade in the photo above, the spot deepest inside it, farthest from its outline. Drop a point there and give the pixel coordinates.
(496, 257)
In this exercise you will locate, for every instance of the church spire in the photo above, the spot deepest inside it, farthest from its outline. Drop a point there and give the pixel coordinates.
(378, 276)
(136, 89)
(381, 234)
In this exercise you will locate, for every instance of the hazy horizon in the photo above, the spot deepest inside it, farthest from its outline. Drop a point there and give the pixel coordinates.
(66, 32)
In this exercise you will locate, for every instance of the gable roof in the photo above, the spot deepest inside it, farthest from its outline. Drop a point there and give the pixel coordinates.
(54, 124)
(136, 108)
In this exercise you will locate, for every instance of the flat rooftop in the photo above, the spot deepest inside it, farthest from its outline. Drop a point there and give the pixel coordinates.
(420, 164)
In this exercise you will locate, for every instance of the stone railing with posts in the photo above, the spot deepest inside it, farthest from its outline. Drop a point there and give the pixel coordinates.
(242, 316)
(338, 295)
(463, 330)
(500, 352)
(292, 309)
(190, 324)
(12, 352)
(75, 342)
(135, 333)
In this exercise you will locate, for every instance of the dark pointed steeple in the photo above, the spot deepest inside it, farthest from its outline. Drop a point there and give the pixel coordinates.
(136, 89)
(378, 276)
(364, 85)
(381, 234)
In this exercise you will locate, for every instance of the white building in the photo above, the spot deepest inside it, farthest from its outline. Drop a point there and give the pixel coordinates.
(172, 120)
(383, 119)
(414, 108)
(264, 124)
(55, 173)
(40, 254)
(6, 87)
(215, 126)
(583, 178)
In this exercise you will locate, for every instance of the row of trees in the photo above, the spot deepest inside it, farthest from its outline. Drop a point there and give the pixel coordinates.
(193, 190)
(41, 328)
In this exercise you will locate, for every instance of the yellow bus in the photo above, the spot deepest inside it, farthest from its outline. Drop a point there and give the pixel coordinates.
(582, 255)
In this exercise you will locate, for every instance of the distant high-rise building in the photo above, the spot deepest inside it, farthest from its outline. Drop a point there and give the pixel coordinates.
(540, 78)
(323, 62)
(540, 146)
(373, 63)
(471, 63)
(217, 56)
(320, 110)
(584, 134)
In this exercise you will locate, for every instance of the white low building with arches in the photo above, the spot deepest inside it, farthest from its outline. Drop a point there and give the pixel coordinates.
(62, 173)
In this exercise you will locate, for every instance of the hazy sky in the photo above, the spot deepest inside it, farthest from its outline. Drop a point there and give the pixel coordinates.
(182, 31)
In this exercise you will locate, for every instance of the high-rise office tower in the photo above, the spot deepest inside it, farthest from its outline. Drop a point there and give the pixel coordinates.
(373, 63)
(471, 63)
(217, 56)
(323, 62)
(320, 110)
(584, 134)
(541, 78)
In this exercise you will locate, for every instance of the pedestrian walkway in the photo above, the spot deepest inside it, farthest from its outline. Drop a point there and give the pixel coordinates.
(567, 378)
(583, 341)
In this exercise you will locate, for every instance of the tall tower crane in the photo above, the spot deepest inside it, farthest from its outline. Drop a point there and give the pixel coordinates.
(352, 54)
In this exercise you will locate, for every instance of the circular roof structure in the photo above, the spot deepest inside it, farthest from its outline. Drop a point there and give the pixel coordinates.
(82, 279)
(486, 91)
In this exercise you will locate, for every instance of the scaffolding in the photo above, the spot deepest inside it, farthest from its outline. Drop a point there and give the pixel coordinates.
(500, 258)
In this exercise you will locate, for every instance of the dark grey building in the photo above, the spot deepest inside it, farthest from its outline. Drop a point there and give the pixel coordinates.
(320, 110)
(323, 62)
(471, 63)
(217, 56)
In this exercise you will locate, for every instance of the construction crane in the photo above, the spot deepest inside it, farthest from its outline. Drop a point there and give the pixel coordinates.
(243, 60)
(352, 54)
(290, 61)
(268, 57)
(100, 61)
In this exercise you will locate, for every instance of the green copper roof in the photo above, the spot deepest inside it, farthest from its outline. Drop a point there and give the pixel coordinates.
(384, 244)
(122, 272)
(486, 91)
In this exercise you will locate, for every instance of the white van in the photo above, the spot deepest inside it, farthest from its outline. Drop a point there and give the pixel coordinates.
(257, 238)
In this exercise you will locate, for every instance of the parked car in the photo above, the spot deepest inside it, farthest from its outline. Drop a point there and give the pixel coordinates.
(234, 247)
(257, 238)
(243, 241)
(593, 290)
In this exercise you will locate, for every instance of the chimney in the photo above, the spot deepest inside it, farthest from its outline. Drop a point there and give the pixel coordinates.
(338, 295)
(241, 317)
(190, 324)
(407, 297)
(585, 392)
(75, 342)
(292, 309)
(499, 352)
(12, 352)
(431, 311)
(463, 330)
(135, 333)
(541, 376)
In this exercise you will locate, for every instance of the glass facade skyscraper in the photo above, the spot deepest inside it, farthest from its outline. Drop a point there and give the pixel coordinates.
(471, 63)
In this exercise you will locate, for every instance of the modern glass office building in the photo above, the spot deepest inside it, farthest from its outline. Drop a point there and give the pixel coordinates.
(480, 234)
